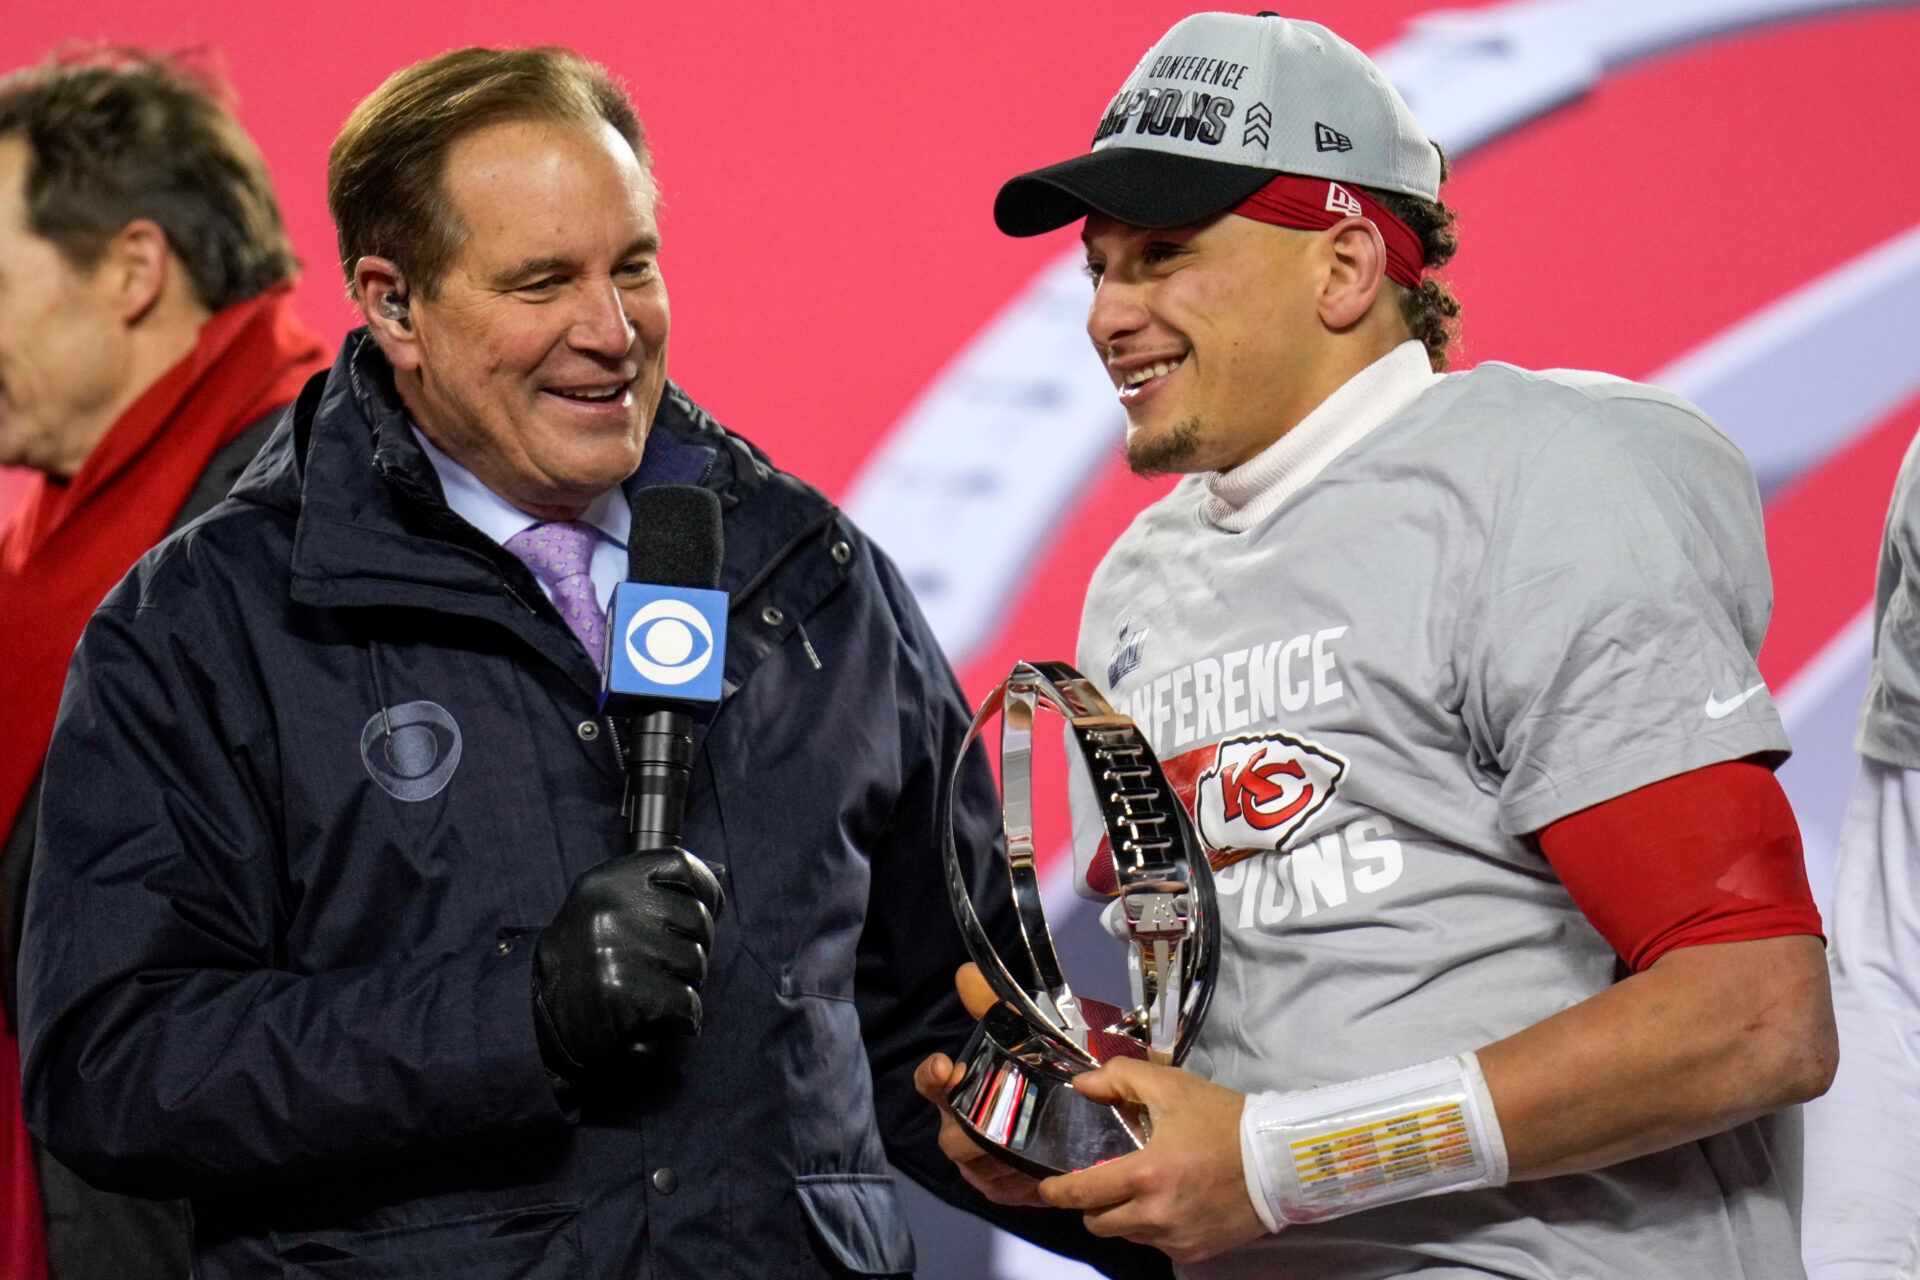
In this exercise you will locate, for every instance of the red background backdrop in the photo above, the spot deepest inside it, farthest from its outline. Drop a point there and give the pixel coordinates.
(828, 170)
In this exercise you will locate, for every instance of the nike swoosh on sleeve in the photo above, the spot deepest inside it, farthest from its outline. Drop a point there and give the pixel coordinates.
(1718, 710)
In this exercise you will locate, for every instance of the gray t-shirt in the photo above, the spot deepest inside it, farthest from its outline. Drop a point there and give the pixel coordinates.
(1521, 595)
(1890, 725)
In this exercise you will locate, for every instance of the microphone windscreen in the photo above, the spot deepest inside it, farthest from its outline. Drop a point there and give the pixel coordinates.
(675, 539)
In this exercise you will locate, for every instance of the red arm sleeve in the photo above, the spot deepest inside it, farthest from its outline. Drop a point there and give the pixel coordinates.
(1707, 856)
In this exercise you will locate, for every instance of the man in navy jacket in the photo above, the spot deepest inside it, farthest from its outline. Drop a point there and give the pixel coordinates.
(332, 862)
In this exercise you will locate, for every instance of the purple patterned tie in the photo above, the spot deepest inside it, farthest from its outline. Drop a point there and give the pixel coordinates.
(561, 555)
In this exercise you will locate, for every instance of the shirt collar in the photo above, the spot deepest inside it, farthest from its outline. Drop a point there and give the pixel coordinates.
(1242, 497)
(499, 519)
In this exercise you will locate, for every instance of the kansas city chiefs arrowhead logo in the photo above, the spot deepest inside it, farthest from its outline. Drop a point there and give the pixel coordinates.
(1262, 790)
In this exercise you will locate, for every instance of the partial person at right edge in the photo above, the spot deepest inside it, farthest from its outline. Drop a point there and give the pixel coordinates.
(147, 344)
(1863, 1139)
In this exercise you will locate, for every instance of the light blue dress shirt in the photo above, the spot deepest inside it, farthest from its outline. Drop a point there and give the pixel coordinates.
(499, 519)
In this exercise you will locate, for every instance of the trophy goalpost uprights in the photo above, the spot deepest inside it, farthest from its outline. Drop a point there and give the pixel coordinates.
(1016, 1096)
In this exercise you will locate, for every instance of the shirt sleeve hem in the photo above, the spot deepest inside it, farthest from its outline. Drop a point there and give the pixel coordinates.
(1550, 799)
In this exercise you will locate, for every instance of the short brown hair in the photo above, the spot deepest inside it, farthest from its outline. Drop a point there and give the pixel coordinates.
(384, 173)
(114, 134)
(1432, 312)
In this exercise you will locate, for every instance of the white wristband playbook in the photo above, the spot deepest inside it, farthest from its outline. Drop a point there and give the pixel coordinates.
(1320, 1153)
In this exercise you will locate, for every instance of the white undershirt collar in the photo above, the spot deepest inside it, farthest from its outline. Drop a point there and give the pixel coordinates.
(1241, 498)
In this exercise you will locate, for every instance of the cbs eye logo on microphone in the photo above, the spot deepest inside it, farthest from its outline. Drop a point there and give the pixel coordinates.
(667, 642)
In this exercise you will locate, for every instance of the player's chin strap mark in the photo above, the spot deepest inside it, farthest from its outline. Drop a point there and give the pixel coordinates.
(1321, 1153)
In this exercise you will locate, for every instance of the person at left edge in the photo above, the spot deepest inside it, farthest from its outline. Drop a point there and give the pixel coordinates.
(147, 345)
(327, 769)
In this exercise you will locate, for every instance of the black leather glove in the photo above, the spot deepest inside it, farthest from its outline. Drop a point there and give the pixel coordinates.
(618, 972)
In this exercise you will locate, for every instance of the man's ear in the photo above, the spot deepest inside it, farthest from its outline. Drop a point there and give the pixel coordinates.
(387, 306)
(1356, 270)
(134, 268)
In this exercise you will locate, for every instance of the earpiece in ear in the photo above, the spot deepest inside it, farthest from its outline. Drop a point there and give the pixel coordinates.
(394, 307)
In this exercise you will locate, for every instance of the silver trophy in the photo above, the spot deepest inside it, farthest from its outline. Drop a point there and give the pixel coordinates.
(1016, 1097)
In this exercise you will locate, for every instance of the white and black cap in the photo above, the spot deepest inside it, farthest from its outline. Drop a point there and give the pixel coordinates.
(1219, 107)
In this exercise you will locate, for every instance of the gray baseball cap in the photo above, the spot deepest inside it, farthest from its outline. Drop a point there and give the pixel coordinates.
(1216, 109)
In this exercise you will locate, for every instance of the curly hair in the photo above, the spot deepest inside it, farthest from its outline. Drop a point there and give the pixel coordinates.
(1432, 312)
(116, 133)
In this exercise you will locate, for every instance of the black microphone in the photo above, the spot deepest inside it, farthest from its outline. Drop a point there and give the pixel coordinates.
(666, 650)
(612, 972)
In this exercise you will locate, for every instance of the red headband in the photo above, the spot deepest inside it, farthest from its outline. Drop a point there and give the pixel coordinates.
(1314, 204)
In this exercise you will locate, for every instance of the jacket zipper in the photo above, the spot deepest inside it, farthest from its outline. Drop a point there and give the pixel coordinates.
(800, 629)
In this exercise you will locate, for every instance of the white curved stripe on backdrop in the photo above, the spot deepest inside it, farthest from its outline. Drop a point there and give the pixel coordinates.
(1472, 75)
(967, 487)
(1802, 377)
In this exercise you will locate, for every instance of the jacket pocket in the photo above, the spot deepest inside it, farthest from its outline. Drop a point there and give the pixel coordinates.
(534, 1243)
(858, 1217)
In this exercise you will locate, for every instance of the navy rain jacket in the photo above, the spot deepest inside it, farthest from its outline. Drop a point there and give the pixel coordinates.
(275, 964)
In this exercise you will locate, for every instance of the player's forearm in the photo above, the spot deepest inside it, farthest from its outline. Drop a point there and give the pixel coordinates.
(1706, 1038)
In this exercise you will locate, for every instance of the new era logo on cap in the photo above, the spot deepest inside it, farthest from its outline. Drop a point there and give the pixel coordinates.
(1328, 138)
(1341, 200)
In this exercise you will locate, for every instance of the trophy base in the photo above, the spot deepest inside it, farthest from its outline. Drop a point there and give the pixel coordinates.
(1017, 1100)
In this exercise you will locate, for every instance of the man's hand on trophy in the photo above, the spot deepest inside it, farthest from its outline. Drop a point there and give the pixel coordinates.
(619, 970)
(937, 1076)
(1184, 1192)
